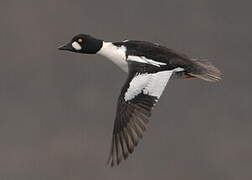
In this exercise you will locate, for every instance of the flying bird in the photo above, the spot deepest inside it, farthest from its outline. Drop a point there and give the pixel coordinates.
(149, 67)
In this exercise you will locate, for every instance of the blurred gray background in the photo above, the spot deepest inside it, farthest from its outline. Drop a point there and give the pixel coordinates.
(57, 108)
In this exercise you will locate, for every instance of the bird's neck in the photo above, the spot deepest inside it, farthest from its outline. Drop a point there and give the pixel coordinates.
(117, 54)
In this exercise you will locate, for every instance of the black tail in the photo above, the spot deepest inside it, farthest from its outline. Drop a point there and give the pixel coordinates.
(200, 68)
(203, 69)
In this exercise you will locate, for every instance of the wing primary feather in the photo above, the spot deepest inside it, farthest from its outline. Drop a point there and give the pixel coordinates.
(132, 134)
(141, 113)
(127, 140)
(133, 115)
(122, 124)
(124, 146)
(118, 150)
(130, 142)
(140, 123)
(133, 125)
(111, 158)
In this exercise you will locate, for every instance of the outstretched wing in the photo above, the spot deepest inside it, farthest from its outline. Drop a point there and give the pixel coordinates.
(140, 93)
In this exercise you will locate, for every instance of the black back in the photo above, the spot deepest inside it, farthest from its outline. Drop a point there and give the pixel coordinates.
(156, 52)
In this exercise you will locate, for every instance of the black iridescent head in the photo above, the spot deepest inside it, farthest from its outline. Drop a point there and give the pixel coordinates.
(83, 43)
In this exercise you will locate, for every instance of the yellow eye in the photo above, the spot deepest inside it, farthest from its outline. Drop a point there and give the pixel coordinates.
(80, 40)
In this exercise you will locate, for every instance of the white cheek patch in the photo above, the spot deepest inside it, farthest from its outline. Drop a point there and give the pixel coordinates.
(76, 46)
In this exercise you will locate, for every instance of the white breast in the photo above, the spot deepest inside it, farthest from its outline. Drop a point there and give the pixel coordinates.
(116, 54)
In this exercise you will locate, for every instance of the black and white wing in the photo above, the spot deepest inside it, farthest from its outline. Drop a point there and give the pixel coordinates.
(140, 93)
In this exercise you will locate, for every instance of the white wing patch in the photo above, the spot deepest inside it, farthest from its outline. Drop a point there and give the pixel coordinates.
(150, 84)
(142, 59)
(157, 83)
(137, 84)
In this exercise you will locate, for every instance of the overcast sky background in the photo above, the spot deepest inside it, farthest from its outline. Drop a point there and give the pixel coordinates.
(57, 108)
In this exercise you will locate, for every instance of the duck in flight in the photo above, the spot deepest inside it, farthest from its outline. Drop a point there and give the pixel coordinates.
(149, 67)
